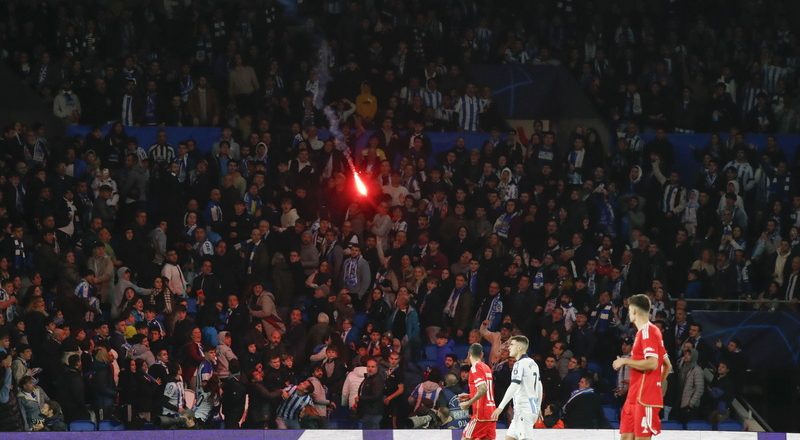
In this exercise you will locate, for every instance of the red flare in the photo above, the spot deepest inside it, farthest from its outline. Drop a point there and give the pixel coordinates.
(360, 187)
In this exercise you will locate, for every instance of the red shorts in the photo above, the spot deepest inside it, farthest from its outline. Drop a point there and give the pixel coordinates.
(479, 430)
(642, 421)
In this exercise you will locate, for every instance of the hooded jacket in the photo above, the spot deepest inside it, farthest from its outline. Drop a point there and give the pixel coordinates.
(224, 355)
(119, 290)
(139, 351)
(264, 308)
(351, 385)
(692, 383)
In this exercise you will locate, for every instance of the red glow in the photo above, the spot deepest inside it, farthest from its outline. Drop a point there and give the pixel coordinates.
(360, 187)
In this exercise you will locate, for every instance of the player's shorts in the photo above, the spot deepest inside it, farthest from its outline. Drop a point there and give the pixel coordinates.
(642, 421)
(521, 427)
(479, 430)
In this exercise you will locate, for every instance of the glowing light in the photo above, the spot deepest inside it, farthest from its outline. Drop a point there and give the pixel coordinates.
(360, 187)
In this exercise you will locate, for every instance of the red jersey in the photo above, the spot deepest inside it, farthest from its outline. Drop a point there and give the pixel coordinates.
(481, 374)
(645, 388)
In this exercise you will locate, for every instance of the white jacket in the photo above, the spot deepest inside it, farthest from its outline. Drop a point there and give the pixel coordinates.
(351, 384)
(177, 282)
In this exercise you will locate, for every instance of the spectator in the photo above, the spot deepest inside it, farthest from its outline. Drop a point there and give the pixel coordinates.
(233, 400)
(10, 415)
(72, 391)
(582, 410)
(692, 386)
(295, 400)
(369, 402)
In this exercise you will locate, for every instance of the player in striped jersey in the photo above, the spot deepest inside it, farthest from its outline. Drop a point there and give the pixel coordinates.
(431, 95)
(469, 107)
(525, 390)
(295, 399)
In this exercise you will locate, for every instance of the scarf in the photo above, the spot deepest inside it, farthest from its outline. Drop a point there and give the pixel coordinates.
(351, 272)
(452, 302)
(577, 393)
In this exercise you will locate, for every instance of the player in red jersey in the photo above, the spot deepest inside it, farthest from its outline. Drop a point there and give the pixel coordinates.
(480, 398)
(649, 366)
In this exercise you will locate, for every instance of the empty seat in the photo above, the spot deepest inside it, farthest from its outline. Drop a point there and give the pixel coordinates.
(430, 352)
(611, 413)
(82, 425)
(360, 321)
(731, 425)
(110, 425)
(671, 425)
(698, 425)
(460, 351)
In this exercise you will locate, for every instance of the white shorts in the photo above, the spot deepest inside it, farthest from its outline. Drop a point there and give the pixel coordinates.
(521, 427)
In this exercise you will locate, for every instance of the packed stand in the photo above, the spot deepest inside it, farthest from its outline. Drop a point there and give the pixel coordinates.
(148, 282)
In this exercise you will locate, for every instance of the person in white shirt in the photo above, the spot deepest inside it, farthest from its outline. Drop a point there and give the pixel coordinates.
(525, 390)
(173, 273)
(395, 190)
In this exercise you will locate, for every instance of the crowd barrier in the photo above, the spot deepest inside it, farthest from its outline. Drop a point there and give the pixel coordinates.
(541, 434)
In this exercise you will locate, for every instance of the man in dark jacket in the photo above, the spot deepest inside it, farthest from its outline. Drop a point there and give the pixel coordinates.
(73, 391)
(233, 396)
(369, 403)
(583, 409)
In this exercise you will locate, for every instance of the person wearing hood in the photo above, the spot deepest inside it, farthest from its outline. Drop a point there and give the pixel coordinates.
(352, 383)
(262, 306)
(224, 354)
(692, 385)
(634, 185)
(141, 350)
(123, 283)
(507, 188)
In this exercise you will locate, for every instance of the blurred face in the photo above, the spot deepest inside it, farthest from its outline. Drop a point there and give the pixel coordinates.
(372, 368)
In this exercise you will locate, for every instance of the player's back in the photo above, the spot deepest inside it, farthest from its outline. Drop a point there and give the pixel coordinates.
(528, 395)
(645, 387)
(481, 374)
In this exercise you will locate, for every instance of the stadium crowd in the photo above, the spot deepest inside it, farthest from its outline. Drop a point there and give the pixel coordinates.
(147, 282)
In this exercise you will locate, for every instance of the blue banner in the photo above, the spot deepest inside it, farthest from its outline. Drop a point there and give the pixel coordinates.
(684, 151)
(770, 339)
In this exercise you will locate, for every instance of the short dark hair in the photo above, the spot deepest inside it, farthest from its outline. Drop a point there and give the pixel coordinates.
(476, 350)
(588, 378)
(640, 301)
(72, 360)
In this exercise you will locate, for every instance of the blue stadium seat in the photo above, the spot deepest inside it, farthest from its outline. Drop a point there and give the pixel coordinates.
(611, 413)
(430, 352)
(423, 364)
(698, 425)
(671, 425)
(501, 425)
(461, 350)
(360, 321)
(731, 425)
(191, 306)
(613, 425)
(82, 425)
(110, 425)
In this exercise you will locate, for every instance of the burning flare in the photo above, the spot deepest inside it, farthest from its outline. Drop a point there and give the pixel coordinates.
(360, 187)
